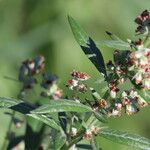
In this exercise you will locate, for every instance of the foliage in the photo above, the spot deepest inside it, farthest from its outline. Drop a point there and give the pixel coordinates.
(76, 120)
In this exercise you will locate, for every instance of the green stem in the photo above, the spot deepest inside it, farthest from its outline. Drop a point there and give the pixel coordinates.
(75, 140)
(147, 39)
(6, 141)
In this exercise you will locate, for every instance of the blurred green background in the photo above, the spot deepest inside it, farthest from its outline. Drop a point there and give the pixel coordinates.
(32, 27)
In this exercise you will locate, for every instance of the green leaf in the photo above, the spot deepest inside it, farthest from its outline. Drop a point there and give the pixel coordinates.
(24, 108)
(113, 36)
(126, 138)
(95, 94)
(8, 102)
(144, 94)
(88, 46)
(59, 140)
(116, 44)
(43, 118)
(94, 144)
(100, 116)
(62, 106)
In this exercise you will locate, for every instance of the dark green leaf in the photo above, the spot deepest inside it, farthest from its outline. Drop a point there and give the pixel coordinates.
(126, 138)
(88, 46)
(84, 146)
(14, 142)
(62, 106)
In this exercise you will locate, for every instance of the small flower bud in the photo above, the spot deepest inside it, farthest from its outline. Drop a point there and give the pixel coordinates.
(72, 83)
(80, 75)
(73, 131)
(131, 109)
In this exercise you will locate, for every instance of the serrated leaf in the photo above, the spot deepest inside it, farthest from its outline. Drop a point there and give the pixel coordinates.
(62, 106)
(43, 118)
(116, 44)
(126, 138)
(88, 46)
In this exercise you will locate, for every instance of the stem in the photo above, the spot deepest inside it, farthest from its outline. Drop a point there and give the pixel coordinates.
(75, 140)
(6, 141)
(147, 39)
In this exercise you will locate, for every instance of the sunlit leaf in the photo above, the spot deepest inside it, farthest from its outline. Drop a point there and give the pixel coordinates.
(88, 46)
(25, 108)
(59, 140)
(100, 116)
(62, 106)
(126, 138)
(116, 44)
(49, 121)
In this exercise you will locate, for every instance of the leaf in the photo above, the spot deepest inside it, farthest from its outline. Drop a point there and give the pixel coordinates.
(14, 142)
(49, 121)
(94, 144)
(95, 94)
(84, 146)
(100, 116)
(25, 108)
(62, 106)
(144, 94)
(59, 140)
(8, 102)
(88, 46)
(116, 44)
(33, 138)
(126, 138)
(113, 36)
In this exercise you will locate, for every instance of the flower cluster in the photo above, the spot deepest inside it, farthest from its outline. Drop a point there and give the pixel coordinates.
(27, 75)
(139, 66)
(143, 21)
(28, 70)
(92, 131)
(49, 83)
(132, 101)
(76, 83)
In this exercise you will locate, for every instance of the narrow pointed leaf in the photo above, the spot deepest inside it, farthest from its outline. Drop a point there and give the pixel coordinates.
(88, 46)
(113, 36)
(59, 140)
(8, 102)
(62, 106)
(116, 44)
(48, 121)
(25, 108)
(126, 138)
(100, 116)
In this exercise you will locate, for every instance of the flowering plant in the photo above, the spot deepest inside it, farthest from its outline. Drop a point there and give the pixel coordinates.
(76, 120)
